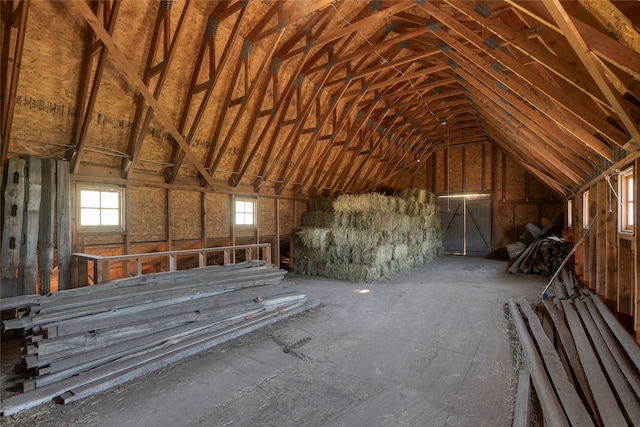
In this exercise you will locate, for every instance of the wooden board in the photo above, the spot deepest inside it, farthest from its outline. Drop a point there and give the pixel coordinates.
(12, 228)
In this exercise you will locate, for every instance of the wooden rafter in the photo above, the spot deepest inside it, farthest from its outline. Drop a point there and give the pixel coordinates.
(280, 106)
(87, 100)
(15, 27)
(161, 69)
(583, 114)
(215, 71)
(126, 67)
(581, 48)
(516, 108)
(520, 41)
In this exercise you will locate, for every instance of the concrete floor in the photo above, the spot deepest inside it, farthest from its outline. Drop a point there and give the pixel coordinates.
(428, 348)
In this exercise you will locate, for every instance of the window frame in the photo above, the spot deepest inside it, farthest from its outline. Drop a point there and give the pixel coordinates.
(120, 227)
(626, 195)
(254, 202)
(586, 215)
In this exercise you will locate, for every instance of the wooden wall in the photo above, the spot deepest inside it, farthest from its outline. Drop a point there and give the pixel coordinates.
(608, 261)
(162, 219)
(517, 197)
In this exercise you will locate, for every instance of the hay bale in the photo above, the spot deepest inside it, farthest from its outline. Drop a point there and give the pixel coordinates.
(370, 202)
(340, 255)
(317, 219)
(315, 254)
(368, 221)
(359, 239)
(321, 204)
(373, 256)
(315, 237)
(515, 249)
(400, 251)
(356, 273)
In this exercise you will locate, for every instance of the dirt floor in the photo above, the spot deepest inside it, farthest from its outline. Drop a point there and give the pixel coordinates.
(428, 348)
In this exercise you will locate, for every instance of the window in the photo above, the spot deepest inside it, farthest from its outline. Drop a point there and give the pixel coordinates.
(586, 218)
(569, 213)
(100, 208)
(245, 212)
(627, 193)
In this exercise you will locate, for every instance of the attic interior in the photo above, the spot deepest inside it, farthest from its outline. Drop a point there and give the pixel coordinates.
(188, 113)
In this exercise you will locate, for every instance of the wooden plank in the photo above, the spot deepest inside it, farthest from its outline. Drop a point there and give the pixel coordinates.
(63, 224)
(606, 403)
(221, 307)
(12, 226)
(572, 354)
(121, 371)
(70, 366)
(47, 225)
(627, 397)
(27, 270)
(569, 399)
(622, 336)
(551, 407)
(522, 414)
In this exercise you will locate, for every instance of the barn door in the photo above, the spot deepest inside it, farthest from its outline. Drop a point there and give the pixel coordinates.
(467, 223)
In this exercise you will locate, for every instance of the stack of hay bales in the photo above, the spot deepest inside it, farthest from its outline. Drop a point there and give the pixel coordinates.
(363, 238)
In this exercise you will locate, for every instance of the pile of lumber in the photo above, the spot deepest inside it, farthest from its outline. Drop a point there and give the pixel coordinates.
(583, 366)
(82, 341)
(544, 256)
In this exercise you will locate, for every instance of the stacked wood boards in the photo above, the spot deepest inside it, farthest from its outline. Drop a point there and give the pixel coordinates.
(581, 367)
(82, 341)
(543, 256)
(366, 237)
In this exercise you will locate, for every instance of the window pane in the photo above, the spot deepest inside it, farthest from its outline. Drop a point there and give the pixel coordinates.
(248, 207)
(110, 200)
(89, 199)
(89, 216)
(110, 217)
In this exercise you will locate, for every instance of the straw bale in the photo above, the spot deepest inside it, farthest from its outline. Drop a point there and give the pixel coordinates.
(321, 204)
(369, 221)
(309, 267)
(400, 251)
(364, 202)
(301, 251)
(362, 239)
(340, 254)
(317, 219)
(357, 273)
(315, 237)
(373, 256)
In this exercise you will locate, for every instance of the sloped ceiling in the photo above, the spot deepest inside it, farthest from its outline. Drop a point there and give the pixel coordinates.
(307, 96)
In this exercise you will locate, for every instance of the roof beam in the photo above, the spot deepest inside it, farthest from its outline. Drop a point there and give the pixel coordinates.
(550, 110)
(208, 40)
(85, 112)
(581, 48)
(13, 43)
(125, 66)
(139, 130)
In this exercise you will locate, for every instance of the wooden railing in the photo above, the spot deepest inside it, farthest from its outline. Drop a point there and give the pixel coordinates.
(101, 265)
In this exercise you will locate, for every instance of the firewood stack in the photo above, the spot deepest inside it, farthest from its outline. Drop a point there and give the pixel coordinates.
(581, 367)
(544, 255)
(82, 341)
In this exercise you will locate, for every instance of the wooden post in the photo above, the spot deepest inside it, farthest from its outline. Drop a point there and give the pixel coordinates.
(47, 225)
(602, 206)
(27, 271)
(12, 229)
(63, 223)
(611, 255)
